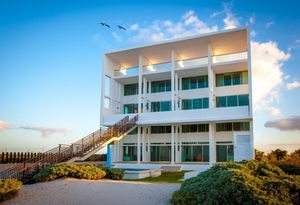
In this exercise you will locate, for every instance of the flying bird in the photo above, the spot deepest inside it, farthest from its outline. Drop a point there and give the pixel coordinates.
(104, 24)
(121, 27)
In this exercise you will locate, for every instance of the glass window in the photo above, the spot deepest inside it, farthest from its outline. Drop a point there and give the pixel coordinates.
(194, 83)
(168, 85)
(220, 127)
(205, 102)
(129, 153)
(133, 132)
(245, 77)
(193, 128)
(203, 81)
(130, 108)
(241, 126)
(243, 100)
(232, 101)
(221, 101)
(203, 128)
(155, 106)
(220, 80)
(197, 103)
(160, 153)
(205, 153)
(154, 87)
(131, 89)
(165, 106)
(236, 79)
(186, 104)
(185, 83)
(221, 153)
(160, 129)
(227, 80)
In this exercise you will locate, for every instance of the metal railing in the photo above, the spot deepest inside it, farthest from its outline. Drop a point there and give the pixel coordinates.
(63, 153)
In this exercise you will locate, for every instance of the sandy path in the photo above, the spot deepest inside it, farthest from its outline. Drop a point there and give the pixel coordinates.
(104, 192)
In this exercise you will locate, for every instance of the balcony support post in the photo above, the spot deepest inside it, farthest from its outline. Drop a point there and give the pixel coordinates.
(173, 64)
(211, 77)
(138, 161)
(141, 63)
(212, 144)
(173, 127)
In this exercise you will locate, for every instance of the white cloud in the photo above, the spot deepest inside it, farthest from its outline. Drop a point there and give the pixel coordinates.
(269, 24)
(46, 131)
(159, 30)
(230, 20)
(117, 37)
(293, 85)
(291, 123)
(268, 76)
(275, 111)
(4, 125)
(253, 33)
(134, 27)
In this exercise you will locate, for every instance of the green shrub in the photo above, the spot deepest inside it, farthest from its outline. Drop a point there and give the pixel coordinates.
(115, 174)
(9, 188)
(250, 182)
(52, 172)
(289, 167)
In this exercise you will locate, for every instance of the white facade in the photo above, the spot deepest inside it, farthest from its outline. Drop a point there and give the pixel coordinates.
(204, 83)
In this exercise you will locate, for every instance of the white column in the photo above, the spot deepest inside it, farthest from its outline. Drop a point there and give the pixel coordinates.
(144, 145)
(149, 96)
(138, 161)
(149, 151)
(172, 144)
(176, 144)
(141, 63)
(144, 94)
(176, 91)
(211, 83)
(212, 144)
(173, 62)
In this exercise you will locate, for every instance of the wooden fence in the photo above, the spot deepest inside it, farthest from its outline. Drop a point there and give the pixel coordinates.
(19, 157)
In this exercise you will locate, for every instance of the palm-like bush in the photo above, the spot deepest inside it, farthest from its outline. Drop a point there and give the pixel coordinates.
(250, 182)
(9, 188)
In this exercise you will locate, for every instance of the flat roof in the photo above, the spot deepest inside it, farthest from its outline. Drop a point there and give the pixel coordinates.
(222, 42)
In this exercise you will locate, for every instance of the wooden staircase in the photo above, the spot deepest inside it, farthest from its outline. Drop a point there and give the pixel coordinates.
(80, 150)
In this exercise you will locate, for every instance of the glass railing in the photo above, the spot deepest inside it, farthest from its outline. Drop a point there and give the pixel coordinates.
(229, 57)
(192, 62)
(160, 67)
(127, 71)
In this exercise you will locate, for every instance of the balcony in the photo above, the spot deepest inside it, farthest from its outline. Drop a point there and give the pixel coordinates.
(185, 116)
(229, 58)
(126, 72)
(157, 68)
(192, 63)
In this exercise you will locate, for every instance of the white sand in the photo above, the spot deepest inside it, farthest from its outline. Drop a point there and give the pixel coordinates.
(102, 192)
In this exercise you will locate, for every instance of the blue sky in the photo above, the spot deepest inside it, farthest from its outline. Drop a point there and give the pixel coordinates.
(51, 60)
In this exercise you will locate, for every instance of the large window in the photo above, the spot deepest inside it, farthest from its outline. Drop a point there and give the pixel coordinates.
(224, 151)
(227, 79)
(129, 153)
(195, 128)
(194, 82)
(232, 101)
(194, 153)
(232, 126)
(133, 132)
(160, 129)
(131, 89)
(130, 108)
(161, 86)
(160, 106)
(191, 104)
(160, 153)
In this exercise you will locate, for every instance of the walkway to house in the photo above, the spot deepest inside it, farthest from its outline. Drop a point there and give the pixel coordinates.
(74, 191)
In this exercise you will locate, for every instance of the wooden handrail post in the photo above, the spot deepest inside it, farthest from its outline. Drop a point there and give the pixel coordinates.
(82, 152)
(59, 148)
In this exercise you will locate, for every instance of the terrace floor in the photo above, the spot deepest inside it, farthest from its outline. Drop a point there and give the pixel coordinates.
(88, 192)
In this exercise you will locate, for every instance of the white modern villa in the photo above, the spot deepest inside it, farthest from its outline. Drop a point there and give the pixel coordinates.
(192, 96)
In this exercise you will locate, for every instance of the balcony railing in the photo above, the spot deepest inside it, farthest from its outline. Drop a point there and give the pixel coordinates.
(160, 67)
(192, 62)
(229, 57)
(127, 71)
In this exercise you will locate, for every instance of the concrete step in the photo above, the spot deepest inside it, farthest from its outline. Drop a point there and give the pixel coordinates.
(170, 168)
